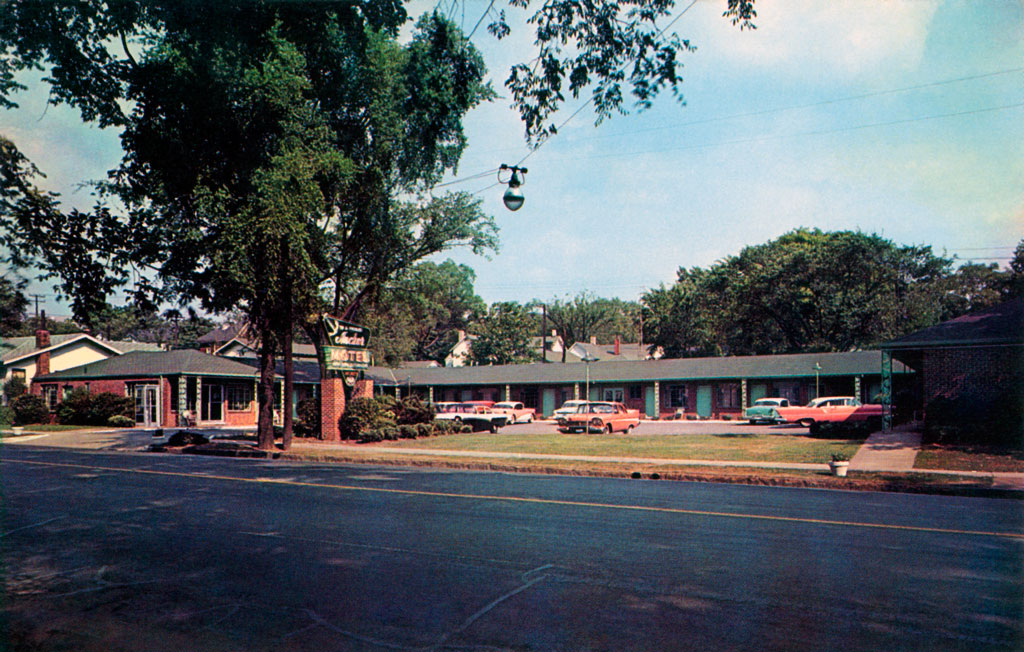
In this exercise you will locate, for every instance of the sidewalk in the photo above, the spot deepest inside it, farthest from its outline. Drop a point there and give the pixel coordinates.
(888, 451)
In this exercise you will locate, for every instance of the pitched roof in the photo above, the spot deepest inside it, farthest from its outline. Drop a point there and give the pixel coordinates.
(1001, 324)
(219, 334)
(795, 365)
(15, 348)
(149, 364)
(12, 348)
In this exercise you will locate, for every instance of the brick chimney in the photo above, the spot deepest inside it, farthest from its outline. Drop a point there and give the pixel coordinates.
(617, 350)
(43, 342)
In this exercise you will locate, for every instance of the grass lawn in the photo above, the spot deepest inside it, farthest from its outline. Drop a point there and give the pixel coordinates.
(970, 458)
(723, 447)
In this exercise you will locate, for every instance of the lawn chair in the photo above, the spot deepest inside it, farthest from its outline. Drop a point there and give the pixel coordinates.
(186, 419)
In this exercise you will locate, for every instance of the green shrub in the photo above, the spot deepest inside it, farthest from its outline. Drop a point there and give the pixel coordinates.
(83, 408)
(370, 436)
(120, 421)
(363, 414)
(407, 431)
(465, 428)
(308, 422)
(15, 387)
(413, 410)
(6, 416)
(29, 408)
(424, 430)
(391, 433)
(726, 417)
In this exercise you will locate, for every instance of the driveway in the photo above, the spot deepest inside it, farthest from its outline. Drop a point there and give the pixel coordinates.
(676, 428)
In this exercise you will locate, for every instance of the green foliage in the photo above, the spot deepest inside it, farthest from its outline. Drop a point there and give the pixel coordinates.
(811, 290)
(413, 410)
(12, 301)
(614, 49)
(84, 408)
(418, 314)
(14, 387)
(364, 414)
(6, 416)
(29, 408)
(308, 422)
(578, 319)
(504, 336)
(120, 421)
(407, 431)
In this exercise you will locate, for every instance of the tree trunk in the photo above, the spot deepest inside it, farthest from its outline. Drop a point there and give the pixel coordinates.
(289, 376)
(265, 423)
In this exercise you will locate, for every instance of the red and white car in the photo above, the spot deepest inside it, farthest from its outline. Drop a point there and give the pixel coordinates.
(600, 416)
(516, 411)
(830, 409)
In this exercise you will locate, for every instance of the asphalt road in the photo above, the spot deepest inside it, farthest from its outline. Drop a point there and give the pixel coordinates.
(151, 552)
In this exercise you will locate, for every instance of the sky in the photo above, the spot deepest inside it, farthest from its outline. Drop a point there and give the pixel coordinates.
(904, 119)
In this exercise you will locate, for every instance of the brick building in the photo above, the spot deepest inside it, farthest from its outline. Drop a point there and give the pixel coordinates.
(169, 388)
(978, 357)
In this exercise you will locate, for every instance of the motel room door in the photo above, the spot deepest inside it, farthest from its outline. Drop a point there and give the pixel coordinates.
(704, 400)
(547, 401)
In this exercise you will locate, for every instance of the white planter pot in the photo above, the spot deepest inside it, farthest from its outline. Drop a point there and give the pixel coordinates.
(839, 468)
(17, 430)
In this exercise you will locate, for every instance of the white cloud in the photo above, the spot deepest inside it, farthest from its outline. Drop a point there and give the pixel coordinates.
(848, 37)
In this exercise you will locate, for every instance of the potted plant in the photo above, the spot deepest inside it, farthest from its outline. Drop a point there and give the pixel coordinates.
(840, 464)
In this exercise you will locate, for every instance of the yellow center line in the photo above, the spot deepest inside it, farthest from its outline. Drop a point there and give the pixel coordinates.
(538, 501)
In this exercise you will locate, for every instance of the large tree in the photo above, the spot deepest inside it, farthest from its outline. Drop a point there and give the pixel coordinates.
(271, 145)
(578, 318)
(808, 290)
(504, 336)
(420, 312)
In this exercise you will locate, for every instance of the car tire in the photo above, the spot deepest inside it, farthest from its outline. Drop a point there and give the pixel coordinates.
(607, 429)
(629, 429)
(529, 418)
(494, 428)
(805, 423)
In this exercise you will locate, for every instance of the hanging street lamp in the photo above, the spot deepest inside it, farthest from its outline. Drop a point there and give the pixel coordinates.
(513, 197)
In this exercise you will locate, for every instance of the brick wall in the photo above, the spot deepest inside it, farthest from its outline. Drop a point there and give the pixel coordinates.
(332, 406)
(984, 372)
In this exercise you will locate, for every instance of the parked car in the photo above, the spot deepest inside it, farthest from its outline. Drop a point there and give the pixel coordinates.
(569, 407)
(605, 417)
(764, 410)
(479, 417)
(830, 409)
(516, 411)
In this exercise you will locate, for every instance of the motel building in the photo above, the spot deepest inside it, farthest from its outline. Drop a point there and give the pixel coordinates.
(718, 387)
(189, 387)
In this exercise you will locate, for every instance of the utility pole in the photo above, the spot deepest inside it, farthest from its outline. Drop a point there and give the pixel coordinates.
(37, 297)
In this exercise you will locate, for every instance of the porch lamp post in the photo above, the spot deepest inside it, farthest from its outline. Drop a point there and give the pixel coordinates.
(817, 388)
(513, 197)
(588, 359)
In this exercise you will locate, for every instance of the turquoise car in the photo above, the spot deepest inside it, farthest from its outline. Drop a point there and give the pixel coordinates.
(763, 410)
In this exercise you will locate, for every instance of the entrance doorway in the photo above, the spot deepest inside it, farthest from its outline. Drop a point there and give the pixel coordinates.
(704, 400)
(213, 403)
(146, 405)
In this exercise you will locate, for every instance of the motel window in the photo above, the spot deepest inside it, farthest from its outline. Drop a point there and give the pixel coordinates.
(676, 396)
(729, 395)
(239, 397)
(50, 397)
(528, 396)
(19, 374)
(613, 394)
(635, 392)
